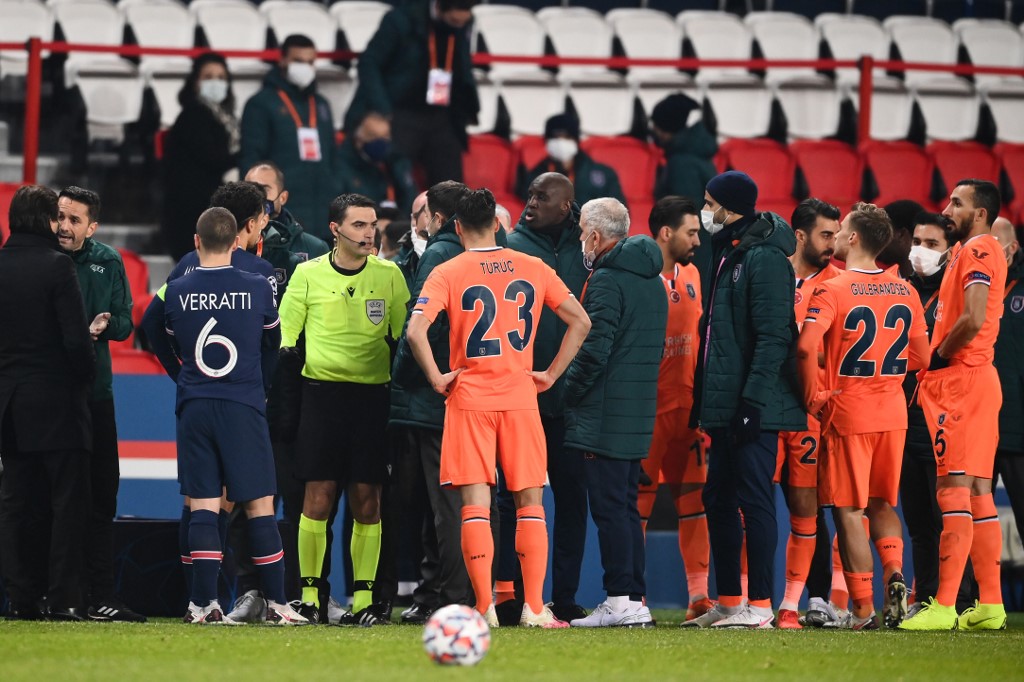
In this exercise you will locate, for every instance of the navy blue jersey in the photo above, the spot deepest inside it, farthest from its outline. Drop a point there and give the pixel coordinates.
(240, 258)
(218, 317)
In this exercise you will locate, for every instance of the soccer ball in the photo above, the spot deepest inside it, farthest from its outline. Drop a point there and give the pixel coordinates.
(456, 635)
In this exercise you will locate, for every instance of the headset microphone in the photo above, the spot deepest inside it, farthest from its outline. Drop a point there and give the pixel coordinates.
(361, 244)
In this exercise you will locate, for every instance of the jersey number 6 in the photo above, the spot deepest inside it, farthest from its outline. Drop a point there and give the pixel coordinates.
(518, 291)
(207, 339)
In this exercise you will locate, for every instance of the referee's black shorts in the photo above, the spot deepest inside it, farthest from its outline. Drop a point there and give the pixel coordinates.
(341, 433)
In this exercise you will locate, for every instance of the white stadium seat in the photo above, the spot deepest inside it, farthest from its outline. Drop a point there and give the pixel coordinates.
(603, 109)
(992, 43)
(921, 39)
(511, 30)
(22, 20)
(359, 20)
(305, 17)
(851, 37)
(783, 35)
(229, 25)
(531, 104)
(649, 34)
(579, 32)
(717, 35)
(740, 110)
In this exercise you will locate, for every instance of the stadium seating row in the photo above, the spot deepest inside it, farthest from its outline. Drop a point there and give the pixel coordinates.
(833, 171)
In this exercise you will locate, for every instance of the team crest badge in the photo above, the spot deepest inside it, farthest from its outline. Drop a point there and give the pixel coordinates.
(1017, 304)
(691, 292)
(942, 419)
(674, 296)
(597, 178)
(736, 272)
(281, 275)
(301, 256)
(798, 297)
(375, 310)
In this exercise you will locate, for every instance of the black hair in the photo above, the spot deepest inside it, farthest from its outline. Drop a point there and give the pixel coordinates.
(83, 196)
(340, 205)
(244, 199)
(902, 213)
(387, 213)
(986, 196)
(447, 5)
(670, 211)
(395, 229)
(444, 197)
(805, 215)
(944, 223)
(476, 210)
(189, 90)
(217, 229)
(33, 208)
(296, 40)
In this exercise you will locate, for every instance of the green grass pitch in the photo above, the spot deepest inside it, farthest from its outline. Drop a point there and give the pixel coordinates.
(168, 650)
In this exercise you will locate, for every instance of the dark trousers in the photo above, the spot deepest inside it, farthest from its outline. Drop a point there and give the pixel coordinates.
(569, 530)
(61, 478)
(426, 137)
(1010, 468)
(740, 478)
(104, 477)
(612, 486)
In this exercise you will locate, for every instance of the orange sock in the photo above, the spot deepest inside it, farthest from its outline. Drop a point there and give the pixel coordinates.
(729, 601)
(645, 503)
(986, 549)
(478, 552)
(799, 552)
(840, 595)
(861, 593)
(504, 590)
(693, 543)
(890, 552)
(955, 541)
(532, 548)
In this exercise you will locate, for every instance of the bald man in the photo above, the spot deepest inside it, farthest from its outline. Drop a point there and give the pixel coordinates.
(550, 230)
(1009, 362)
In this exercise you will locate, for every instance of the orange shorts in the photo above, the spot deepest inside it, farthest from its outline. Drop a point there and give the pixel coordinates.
(678, 454)
(961, 406)
(801, 450)
(473, 440)
(863, 465)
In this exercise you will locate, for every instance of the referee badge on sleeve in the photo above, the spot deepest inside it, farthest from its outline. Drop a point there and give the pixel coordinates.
(375, 310)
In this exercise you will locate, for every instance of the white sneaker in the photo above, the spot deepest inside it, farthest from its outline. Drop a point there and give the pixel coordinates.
(545, 619)
(491, 616)
(604, 616)
(211, 614)
(642, 618)
(334, 611)
(747, 619)
(249, 608)
(851, 622)
(819, 613)
(284, 614)
(709, 618)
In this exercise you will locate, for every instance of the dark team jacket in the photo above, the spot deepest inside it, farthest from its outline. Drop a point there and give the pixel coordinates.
(1009, 361)
(919, 440)
(611, 387)
(286, 244)
(590, 179)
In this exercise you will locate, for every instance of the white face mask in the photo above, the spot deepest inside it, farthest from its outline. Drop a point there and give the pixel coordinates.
(925, 261)
(419, 245)
(707, 219)
(301, 74)
(588, 256)
(562, 149)
(213, 90)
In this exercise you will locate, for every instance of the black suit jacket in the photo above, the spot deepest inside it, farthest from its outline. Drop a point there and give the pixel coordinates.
(47, 361)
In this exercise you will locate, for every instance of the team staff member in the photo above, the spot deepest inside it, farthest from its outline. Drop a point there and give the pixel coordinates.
(864, 409)
(961, 396)
(611, 395)
(223, 442)
(678, 455)
(108, 303)
(492, 393)
(746, 391)
(290, 123)
(815, 224)
(550, 230)
(47, 367)
(348, 304)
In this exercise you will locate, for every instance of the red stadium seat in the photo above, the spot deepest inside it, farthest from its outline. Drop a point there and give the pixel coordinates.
(833, 170)
(530, 150)
(489, 162)
(634, 161)
(7, 190)
(771, 166)
(1011, 158)
(137, 272)
(958, 160)
(639, 215)
(132, 361)
(902, 171)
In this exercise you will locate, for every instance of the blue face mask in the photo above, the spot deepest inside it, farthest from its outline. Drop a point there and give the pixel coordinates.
(377, 150)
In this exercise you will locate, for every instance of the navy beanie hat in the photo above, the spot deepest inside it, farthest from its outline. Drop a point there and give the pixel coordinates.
(735, 191)
(562, 124)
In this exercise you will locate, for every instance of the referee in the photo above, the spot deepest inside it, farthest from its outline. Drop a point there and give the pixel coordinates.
(348, 303)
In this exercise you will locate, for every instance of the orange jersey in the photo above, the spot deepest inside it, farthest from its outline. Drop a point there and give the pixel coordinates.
(979, 260)
(869, 318)
(493, 298)
(679, 359)
(805, 289)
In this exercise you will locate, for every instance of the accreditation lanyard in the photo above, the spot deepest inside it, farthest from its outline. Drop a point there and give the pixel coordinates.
(439, 81)
(1009, 287)
(308, 137)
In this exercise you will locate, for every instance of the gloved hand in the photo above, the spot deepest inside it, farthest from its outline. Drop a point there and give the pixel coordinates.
(938, 362)
(746, 425)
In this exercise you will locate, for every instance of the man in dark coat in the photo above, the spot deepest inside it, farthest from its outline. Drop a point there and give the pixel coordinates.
(611, 395)
(47, 365)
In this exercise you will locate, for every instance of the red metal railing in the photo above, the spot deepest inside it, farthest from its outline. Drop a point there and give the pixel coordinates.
(865, 65)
